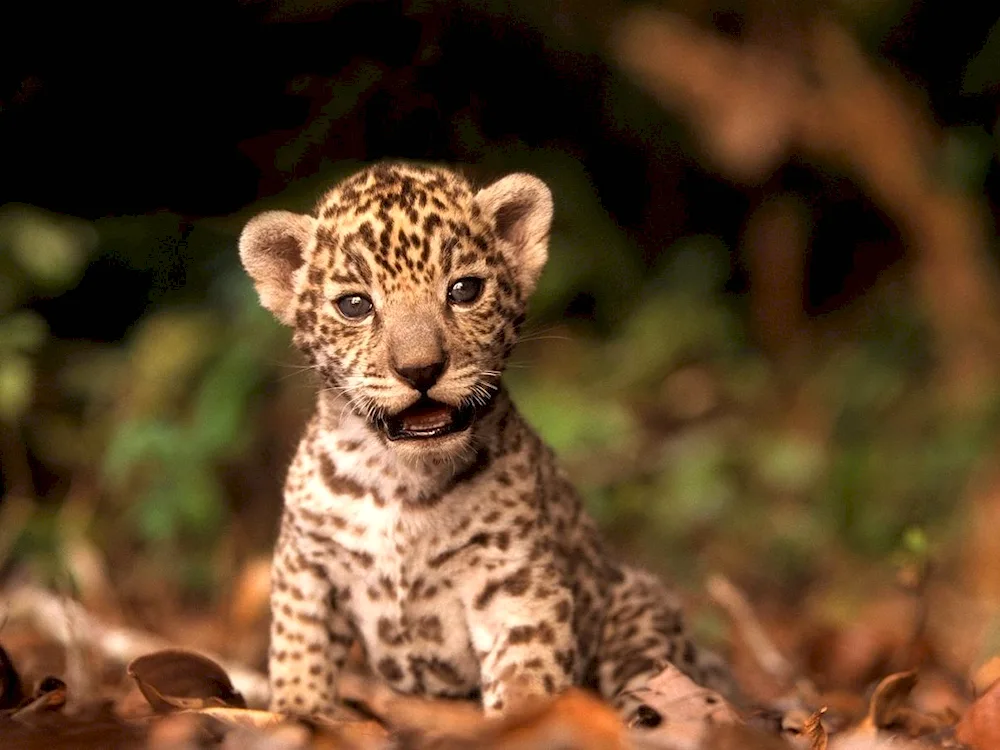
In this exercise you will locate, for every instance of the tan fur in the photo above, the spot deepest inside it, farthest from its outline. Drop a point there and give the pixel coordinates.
(463, 563)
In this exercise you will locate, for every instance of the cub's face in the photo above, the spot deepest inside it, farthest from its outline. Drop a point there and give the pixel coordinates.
(406, 292)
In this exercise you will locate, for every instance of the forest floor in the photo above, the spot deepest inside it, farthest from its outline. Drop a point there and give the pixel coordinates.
(73, 676)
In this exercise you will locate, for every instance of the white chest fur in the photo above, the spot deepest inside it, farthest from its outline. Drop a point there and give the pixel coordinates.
(390, 567)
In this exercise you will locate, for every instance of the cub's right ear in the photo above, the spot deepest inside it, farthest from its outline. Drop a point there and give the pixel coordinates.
(272, 246)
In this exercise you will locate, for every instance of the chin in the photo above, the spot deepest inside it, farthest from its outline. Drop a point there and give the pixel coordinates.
(445, 449)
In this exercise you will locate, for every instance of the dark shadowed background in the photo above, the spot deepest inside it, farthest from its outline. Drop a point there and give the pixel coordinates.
(767, 341)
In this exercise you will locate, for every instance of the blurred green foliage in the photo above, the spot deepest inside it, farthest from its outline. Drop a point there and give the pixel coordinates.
(671, 421)
(983, 70)
(40, 254)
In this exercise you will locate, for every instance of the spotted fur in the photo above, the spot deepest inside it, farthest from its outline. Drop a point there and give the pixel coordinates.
(462, 564)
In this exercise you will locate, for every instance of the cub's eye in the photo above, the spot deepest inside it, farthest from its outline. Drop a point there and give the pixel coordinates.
(465, 290)
(354, 306)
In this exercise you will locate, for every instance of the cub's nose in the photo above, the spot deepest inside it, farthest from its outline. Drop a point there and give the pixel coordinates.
(421, 377)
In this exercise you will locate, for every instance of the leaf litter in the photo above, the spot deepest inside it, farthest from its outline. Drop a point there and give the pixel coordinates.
(171, 698)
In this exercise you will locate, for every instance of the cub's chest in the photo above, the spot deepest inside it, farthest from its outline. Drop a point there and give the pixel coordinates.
(387, 563)
(409, 616)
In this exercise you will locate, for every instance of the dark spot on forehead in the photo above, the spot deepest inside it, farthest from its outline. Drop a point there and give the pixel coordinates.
(431, 222)
(367, 233)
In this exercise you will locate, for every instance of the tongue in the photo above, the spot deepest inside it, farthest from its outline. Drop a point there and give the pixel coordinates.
(426, 417)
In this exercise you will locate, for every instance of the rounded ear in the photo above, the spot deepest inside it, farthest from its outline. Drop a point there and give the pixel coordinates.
(520, 207)
(271, 248)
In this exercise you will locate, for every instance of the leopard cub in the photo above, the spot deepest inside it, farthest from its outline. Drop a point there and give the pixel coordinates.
(423, 516)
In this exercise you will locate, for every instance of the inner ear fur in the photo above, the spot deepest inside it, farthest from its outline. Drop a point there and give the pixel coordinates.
(271, 249)
(520, 206)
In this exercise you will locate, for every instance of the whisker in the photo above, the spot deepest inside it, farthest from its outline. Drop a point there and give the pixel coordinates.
(546, 337)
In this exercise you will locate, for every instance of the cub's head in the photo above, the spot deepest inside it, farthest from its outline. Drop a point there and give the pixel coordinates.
(406, 291)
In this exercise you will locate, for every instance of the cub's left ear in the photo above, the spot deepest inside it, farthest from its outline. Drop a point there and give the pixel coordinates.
(520, 207)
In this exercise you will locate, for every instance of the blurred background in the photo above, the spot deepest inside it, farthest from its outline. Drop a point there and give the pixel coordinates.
(767, 342)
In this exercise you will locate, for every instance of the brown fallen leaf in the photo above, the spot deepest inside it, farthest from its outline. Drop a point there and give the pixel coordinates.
(980, 727)
(350, 733)
(888, 702)
(410, 713)
(265, 720)
(50, 695)
(186, 729)
(282, 737)
(815, 732)
(176, 680)
(803, 729)
(573, 720)
(242, 717)
(891, 721)
(677, 710)
(66, 622)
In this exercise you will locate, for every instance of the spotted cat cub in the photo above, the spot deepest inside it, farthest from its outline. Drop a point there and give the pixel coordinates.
(423, 517)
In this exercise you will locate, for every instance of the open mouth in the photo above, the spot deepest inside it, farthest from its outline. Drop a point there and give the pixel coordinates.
(428, 419)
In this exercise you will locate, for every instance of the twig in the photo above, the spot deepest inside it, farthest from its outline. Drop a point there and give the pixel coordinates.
(68, 623)
(767, 655)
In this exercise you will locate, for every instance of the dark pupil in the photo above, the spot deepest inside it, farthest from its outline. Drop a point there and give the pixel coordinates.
(354, 305)
(465, 290)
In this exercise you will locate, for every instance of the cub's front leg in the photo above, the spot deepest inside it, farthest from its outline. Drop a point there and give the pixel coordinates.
(520, 620)
(310, 636)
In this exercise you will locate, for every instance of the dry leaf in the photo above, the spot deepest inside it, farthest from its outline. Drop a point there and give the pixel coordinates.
(283, 737)
(175, 679)
(804, 730)
(815, 732)
(573, 720)
(411, 713)
(889, 701)
(679, 711)
(50, 695)
(350, 730)
(980, 727)
(889, 709)
(240, 717)
(350, 733)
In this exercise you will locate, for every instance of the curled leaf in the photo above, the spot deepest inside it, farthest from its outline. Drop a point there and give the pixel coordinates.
(242, 717)
(677, 710)
(50, 695)
(175, 679)
(814, 730)
(889, 700)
